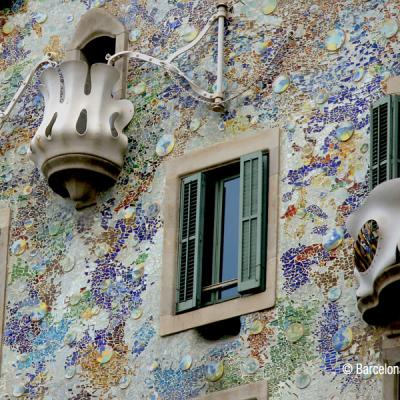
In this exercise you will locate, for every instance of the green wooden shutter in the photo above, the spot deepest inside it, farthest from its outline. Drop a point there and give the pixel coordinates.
(252, 222)
(190, 242)
(395, 136)
(384, 141)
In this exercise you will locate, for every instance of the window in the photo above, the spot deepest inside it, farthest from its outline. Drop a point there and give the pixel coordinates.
(6, 4)
(384, 140)
(96, 50)
(222, 228)
(4, 232)
(220, 232)
(98, 34)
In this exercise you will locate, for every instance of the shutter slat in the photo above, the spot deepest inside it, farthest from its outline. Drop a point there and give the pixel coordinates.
(252, 222)
(190, 243)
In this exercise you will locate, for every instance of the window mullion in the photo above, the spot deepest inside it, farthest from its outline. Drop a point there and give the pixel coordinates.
(216, 267)
(221, 285)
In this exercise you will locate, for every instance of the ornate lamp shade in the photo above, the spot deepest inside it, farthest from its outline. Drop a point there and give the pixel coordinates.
(375, 228)
(79, 146)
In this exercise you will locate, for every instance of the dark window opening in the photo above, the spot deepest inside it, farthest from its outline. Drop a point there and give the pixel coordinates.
(97, 49)
(221, 329)
(6, 4)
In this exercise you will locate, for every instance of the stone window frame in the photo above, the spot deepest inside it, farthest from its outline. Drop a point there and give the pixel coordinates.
(251, 391)
(392, 85)
(4, 238)
(390, 351)
(390, 344)
(206, 158)
(96, 23)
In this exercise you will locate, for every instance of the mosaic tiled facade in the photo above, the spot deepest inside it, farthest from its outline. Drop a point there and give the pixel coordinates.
(83, 286)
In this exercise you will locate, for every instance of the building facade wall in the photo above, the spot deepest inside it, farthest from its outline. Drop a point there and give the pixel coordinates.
(80, 263)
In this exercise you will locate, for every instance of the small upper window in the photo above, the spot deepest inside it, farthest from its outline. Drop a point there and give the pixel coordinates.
(6, 5)
(222, 228)
(97, 34)
(96, 50)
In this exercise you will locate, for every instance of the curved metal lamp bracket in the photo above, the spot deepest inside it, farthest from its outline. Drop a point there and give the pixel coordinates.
(46, 61)
(204, 95)
(216, 99)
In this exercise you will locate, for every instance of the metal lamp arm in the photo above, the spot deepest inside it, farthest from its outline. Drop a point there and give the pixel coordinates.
(5, 114)
(204, 95)
(215, 99)
(193, 43)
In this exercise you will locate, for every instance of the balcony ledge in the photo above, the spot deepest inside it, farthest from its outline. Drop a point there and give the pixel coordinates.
(375, 228)
(381, 307)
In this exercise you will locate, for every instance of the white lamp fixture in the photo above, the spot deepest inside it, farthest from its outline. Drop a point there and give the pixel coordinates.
(378, 269)
(79, 146)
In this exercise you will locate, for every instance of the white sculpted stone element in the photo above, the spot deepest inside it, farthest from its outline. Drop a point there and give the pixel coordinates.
(383, 206)
(79, 146)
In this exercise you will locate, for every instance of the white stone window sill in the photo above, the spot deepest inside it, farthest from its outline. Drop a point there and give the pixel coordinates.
(251, 391)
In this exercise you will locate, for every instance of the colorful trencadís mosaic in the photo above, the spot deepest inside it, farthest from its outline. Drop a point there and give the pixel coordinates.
(83, 289)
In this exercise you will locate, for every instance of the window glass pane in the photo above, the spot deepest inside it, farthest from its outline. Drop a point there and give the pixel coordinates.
(208, 240)
(229, 293)
(230, 235)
